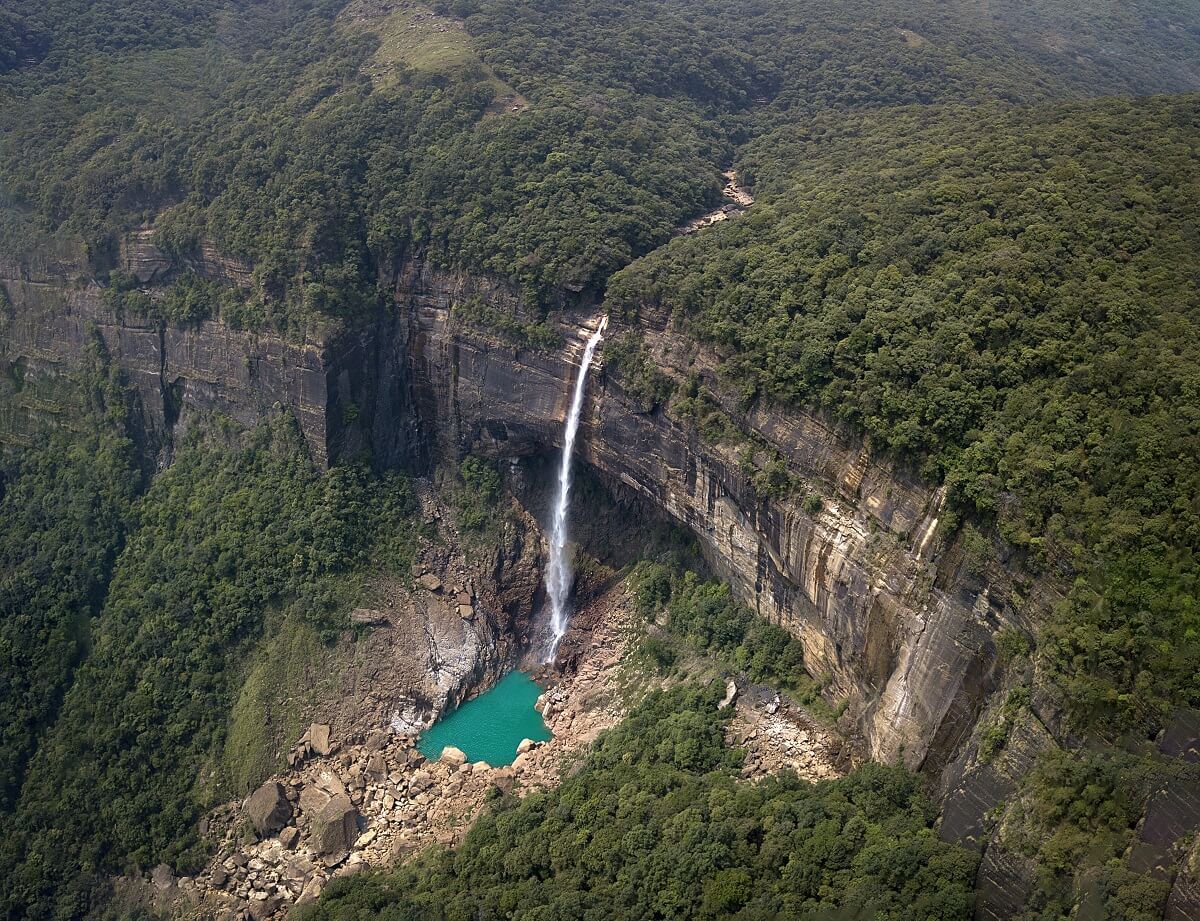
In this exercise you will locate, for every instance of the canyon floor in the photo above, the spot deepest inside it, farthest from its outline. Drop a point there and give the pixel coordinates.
(370, 799)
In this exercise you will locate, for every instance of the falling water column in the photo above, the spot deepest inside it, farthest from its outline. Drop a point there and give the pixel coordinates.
(558, 568)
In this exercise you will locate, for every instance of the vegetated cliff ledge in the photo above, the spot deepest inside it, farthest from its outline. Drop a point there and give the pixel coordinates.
(887, 612)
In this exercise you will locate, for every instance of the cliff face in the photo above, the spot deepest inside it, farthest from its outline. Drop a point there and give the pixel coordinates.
(177, 371)
(886, 613)
(898, 628)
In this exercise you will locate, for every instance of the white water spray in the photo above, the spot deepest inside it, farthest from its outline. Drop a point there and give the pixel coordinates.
(558, 568)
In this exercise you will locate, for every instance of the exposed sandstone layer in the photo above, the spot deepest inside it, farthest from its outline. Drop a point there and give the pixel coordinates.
(178, 371)
(885, 612)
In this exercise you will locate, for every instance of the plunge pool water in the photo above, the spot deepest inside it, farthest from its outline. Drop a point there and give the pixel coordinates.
(491, 726)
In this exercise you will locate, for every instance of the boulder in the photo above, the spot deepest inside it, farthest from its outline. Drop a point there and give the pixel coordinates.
(331, 783)
(504, 778)
(376, 767)
(453, 756)
(430, 582)
(464, 598)
(299, 867)
(290, 837)
(377, 740)
(420, 782)
(365, 617)
(261, 909)
(350, 868)
(268, 809)
(318, 738)
(162, 877)
(731, 690)
(525, 745)
(465, 611)
(310, 893)
(336, 826)
(313, 799)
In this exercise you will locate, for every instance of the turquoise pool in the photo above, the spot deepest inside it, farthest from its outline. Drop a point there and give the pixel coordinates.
(491, 726)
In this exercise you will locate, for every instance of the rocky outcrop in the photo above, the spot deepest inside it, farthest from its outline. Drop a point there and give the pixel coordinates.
(859, 572)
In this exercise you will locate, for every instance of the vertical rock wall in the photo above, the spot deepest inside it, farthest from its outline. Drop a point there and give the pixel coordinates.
(885, 614)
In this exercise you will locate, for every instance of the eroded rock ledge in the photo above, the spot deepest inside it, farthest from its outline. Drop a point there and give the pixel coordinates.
(885, 611)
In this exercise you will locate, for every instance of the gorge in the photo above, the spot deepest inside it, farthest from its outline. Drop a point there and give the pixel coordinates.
(897, 626)
(859, 599)
(586, 459)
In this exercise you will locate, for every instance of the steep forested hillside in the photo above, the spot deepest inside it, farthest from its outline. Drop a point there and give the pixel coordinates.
(64, 513)
(230, 542)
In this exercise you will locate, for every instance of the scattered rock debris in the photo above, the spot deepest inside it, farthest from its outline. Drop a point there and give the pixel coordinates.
(373, 800)
(779, 736)
(737, 200)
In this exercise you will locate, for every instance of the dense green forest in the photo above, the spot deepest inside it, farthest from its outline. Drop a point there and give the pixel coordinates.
(656, 825)
(239, 535)
(64, 512)
(561, 141)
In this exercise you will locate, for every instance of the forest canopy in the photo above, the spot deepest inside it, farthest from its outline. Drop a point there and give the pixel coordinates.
(561, 139)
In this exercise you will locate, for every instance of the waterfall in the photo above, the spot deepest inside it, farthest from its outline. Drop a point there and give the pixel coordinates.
(558, 568)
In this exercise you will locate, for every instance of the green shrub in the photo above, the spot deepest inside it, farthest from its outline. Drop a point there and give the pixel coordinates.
(477, 497)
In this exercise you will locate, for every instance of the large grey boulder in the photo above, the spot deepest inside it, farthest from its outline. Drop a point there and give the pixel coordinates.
(268, 809)
(336, 826)
(318, 739)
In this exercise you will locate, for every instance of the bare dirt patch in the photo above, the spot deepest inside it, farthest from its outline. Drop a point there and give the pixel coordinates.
(413, 36)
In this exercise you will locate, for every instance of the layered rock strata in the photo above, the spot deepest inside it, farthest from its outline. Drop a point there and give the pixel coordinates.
(858, 572)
